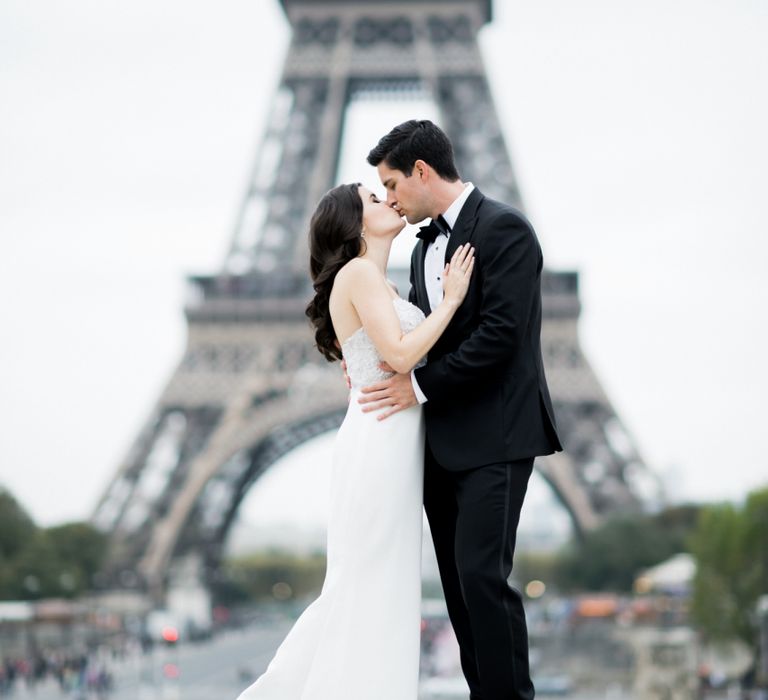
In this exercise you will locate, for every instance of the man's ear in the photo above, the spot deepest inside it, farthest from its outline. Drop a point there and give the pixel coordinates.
(421, 169)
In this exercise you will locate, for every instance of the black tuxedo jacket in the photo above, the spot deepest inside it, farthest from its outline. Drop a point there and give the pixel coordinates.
(487, 397)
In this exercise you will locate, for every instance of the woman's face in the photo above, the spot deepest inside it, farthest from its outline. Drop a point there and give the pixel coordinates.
(379, 219)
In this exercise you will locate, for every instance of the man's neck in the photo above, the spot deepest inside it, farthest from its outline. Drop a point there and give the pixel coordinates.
(446, 194)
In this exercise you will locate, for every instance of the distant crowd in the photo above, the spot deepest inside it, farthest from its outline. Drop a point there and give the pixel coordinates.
(75, 673)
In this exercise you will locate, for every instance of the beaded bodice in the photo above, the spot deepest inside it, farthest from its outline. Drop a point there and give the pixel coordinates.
(361, 355)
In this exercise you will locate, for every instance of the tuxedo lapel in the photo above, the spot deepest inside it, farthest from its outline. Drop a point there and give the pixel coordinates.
(422, 299)
(465, 223)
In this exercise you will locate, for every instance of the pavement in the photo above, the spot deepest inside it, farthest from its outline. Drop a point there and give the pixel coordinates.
(220, 668)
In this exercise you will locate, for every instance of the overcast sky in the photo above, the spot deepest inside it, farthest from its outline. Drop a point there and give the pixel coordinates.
(127, 131)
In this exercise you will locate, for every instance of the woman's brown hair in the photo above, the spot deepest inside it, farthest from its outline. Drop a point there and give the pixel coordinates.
(334, 239)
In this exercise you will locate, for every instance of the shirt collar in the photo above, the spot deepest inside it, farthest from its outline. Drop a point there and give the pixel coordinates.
(452, 212)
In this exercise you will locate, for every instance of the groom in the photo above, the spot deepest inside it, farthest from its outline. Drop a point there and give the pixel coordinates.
(487, 407)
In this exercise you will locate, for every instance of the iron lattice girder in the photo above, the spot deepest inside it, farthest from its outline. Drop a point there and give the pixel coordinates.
(338, 51)
(483, 7)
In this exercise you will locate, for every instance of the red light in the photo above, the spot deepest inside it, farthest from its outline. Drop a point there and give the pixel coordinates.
(171, 671)
(170, 634)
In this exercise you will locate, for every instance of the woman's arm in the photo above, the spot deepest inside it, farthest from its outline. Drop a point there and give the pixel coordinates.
(372, 301)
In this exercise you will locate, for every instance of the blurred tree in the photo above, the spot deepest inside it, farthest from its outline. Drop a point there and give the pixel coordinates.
(17, 530)
(610, 557)
(678, 522)
(16, 527)
(756, 539)
(81, 549)
(530, 566)
(255, 576)
(731, 549)
(38, 563)
(35, 571)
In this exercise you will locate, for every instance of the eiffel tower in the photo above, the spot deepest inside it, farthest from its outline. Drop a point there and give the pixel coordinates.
(250, 386)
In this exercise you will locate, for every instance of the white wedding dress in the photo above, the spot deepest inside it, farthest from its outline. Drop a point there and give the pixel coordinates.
(360, 639)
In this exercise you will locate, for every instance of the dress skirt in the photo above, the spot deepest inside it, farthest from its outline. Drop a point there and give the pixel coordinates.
(360, 639)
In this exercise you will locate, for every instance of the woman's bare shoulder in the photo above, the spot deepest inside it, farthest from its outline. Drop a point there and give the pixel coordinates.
(357, 271)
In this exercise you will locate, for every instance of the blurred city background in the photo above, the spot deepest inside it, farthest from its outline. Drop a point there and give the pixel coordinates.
(167, 427)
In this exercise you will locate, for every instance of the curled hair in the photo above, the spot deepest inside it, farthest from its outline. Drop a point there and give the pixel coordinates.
(334, 240)
(416, 140)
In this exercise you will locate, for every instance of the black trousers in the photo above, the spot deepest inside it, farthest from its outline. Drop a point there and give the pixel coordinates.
(473, 517)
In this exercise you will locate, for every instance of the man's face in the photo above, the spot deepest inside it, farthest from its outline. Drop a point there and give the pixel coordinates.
(409, 196)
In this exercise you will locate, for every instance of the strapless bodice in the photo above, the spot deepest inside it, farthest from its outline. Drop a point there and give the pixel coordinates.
(361, 355)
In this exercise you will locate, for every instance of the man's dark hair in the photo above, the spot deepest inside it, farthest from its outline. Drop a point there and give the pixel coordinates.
(414, 140)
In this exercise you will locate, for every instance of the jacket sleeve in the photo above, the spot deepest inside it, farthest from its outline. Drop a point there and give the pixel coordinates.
(509, 261)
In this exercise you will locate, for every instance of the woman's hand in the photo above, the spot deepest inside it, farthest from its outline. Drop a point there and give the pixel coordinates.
(457, 274)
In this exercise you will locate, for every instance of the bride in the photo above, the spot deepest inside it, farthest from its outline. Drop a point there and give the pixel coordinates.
(360, 639)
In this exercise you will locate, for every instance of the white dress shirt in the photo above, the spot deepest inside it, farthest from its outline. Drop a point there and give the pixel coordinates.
(434, 264)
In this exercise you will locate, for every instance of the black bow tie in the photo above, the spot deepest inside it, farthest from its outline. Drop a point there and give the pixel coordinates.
(430, 232)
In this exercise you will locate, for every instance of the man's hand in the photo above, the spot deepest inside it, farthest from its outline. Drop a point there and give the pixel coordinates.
(393, 394)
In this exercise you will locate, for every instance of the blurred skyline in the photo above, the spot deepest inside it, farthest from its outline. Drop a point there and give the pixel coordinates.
(127, 132)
